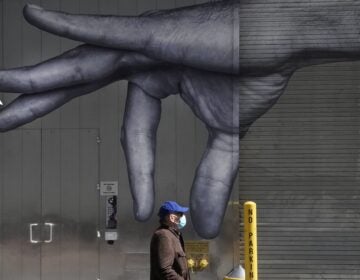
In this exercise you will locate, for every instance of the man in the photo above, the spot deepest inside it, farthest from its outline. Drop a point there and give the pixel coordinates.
(167, 254)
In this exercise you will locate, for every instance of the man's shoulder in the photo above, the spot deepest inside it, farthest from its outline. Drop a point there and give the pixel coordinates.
(162, 231)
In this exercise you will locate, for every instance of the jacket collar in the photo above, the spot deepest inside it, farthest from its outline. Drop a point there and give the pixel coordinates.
(174, 230)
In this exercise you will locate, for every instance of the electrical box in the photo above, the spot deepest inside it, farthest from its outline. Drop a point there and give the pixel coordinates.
(197, 254)
(111, 235)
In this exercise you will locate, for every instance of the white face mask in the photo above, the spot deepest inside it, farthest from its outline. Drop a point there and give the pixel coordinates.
(182, 222)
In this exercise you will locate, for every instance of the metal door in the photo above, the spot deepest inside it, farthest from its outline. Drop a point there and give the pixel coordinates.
(20, 182)
(49, 204)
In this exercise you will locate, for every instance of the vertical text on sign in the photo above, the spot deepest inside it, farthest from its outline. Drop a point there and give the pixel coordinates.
(250, 240)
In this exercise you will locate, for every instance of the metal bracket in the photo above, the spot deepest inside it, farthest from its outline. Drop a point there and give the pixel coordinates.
(51, 225)
(32, 240)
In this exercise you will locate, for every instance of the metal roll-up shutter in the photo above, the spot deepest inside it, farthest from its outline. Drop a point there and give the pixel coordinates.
(301, 164)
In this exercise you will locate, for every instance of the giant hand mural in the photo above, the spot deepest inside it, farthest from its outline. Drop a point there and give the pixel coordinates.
(212, 54)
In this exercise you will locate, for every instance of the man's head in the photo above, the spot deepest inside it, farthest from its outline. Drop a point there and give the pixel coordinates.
(172, 214)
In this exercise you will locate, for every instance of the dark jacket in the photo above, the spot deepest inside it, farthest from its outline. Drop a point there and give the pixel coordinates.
(167, 255)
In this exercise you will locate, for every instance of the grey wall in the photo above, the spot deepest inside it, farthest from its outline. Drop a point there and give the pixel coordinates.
(181, 139)
(300, 163)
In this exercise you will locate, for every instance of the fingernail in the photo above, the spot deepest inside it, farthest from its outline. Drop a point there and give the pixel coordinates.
(33, 6)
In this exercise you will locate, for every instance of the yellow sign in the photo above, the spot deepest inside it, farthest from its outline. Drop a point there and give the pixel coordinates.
(197, 247)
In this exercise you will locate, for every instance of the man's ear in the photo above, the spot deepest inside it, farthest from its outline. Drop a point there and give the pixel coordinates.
(172, 218)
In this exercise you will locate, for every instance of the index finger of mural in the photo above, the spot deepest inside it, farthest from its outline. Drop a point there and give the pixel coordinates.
(77, 66)
(200, 36)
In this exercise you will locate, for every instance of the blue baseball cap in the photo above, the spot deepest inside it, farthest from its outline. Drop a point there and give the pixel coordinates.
(171, 207)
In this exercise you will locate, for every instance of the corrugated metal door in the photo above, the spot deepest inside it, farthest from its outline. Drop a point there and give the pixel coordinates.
(300, 163)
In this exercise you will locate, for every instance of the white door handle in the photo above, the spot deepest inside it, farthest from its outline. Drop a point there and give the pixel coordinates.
(32, 240)
(51, 225)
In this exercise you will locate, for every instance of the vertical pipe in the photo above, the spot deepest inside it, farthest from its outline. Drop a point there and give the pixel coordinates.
(250, 238)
